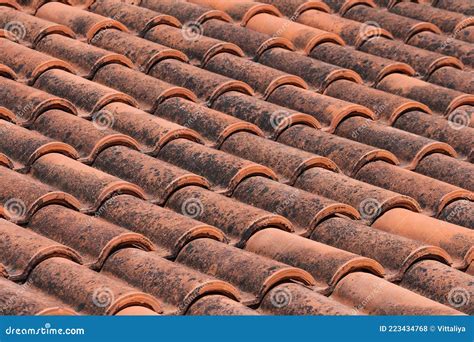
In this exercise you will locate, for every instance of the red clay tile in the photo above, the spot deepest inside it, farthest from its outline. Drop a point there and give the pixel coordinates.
(441, 283)
(466, 34)
(147, 90)
(348, 155)
(84, 24)
(305, 210)
(27, 103)
(287, 162)
(213, 125)
(394, 252)
(142, 52)
(371, 201)
(88, 138)
(325, 263)
(342, 6)
(91, 186)
(409, 148)
(136, 311)
(457, 241)
(453, 78)
(271, 118)
(5, 71)
(157, 178)
(237, 220)
(5, 161)
(261, 78)
(207, 85)
(457, 6)
(294, 299)
(94, 238)
(168, 230)
(24, 146)
(304, 37)
(22, 250)
(176, 285)
(293, 8)
(357, 290)
(218, 260)
(385, 106)
(459, 212)
(87, 291)
(86, 59)
(439, 99)
(212, 305)
(223, 171)
(316, 73)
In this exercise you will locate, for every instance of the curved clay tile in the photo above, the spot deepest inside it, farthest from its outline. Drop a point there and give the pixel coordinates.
(87, 96)
(144, 53)
(439, 99)
(158, 179)
(459, 212)
(342, 6)
(287, 162)
(85, 58)
(432, 194)
(457, 241)
(371, 201)
(87, 291)
(19, 300)
(409, 148)
(137, 19)
(271, 118)
(89, 138)
(212, 305)
(27, 103)
(293, 8)
(446, 169)
(91, 186)
(6, 72)
(13, 3)
(371, 68)
(7, 115)
(438, 128)
(222, 170)
(85, 24)
(325, 263)
(21, 196)
(444, 45)
(262, 78)
(34, 28)
(169, 231)
(466, 34)
(329, 111)
(207, 85)
(147, 90)
(149, 130)
(94, 238)
(348, 155)
(22, 250)
(386, 107)
(5, 161)
(136, 311)
(394, 252)
(317, 74)
(357, 289)
(453, 78)
(213, 125)
(25, 146)
(441, 283)
(29, 64)
(295, 299)
(465, 7)
(304, 37)
(185, 11)
(305, 210)
(218, 260)
(176, 285)
(237, 220)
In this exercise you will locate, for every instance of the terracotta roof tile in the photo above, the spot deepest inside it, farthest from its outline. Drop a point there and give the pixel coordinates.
(459, 212)
(342, 6)
(212, 305)
(466, 34)
(458, 6)
(453, 78)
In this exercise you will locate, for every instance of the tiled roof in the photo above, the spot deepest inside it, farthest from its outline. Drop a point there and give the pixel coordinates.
(236, 157)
